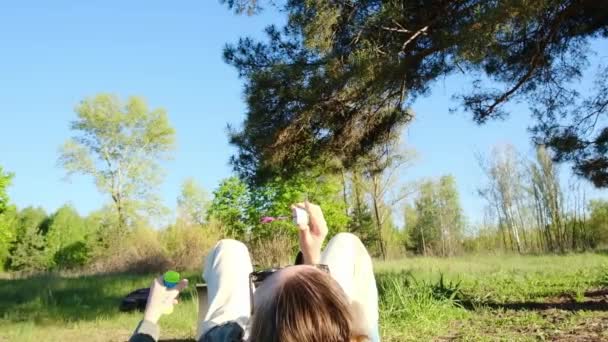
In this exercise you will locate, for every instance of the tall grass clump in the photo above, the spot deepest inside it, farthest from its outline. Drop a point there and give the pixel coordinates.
(410, 309)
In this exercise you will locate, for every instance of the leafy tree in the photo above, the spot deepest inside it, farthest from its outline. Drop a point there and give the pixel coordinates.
(361, 220)
(5, 182)
(275, 198)
(451, 218)
(275, 243)
(548, 200)
(598, 222)
(375, 192)
(340, 76)
(32, 217)
(382, 169)
(66, 228)
(119, 145)
(423, 230)
(240, 207)
(101, 228)
(28, 252)
(436, 224)
(506, 193)
(574, 127)
(7, 218)
(193, 203)
(229, 206)
(74, 255)
(410, 219)
(8, 234)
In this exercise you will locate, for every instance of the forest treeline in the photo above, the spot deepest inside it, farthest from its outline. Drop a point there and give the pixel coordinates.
(528, 208)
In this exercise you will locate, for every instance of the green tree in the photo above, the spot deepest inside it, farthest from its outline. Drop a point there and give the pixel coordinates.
(66, 228)
(435, 225)
(375, 193)
(8, 234)
(598, 223)
(230, 205)
(32, 217)
(548, 199)
(341, 74)
(361, 221)
(193, 203)
(423, 230)
(410, 220)
(5, 182)
(7, 218)
(276, 197)
(451, 218)
(276, 243)
(119, 145)
(101, 228)
(74, 255)
(382, 169)
(28, 252)
(506, 194)
(240, 207)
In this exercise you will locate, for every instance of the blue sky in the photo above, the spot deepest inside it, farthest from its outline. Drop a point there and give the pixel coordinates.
(55, 53)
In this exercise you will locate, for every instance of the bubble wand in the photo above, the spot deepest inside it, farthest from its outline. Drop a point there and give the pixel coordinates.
(300, 216)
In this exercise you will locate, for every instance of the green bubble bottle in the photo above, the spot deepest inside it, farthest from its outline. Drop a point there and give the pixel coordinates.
(170, 279)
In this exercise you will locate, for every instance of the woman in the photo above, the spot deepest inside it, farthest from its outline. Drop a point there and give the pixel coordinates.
(298, 303)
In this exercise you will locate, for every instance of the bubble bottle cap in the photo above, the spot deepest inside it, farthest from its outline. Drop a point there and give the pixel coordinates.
(171, 278)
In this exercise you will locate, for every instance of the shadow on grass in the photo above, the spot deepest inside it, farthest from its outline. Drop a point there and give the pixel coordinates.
(595, 300)
(51, 299)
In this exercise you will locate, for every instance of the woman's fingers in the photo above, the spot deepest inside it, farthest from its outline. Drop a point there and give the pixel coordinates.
(301, 225)
(182, 285)
(301, 205)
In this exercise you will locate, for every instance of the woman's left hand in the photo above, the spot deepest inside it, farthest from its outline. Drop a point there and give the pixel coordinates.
(162, 299)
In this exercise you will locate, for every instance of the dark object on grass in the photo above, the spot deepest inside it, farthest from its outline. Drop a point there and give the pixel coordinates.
(135, 300)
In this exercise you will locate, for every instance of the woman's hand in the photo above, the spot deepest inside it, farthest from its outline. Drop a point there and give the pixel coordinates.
(161, 299)
(313, 234)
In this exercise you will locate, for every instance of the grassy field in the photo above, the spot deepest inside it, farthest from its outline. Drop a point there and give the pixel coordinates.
(476, 298)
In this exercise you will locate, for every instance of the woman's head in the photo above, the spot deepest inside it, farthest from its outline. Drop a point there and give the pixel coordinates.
(301, 304)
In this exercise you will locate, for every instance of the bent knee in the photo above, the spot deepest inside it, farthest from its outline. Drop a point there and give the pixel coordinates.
(232, 245)
(347, 241)
(346, 237)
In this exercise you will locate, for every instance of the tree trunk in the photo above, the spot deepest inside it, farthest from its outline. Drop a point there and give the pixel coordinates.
(513, 227)
(357, 193)
(344, 194)
(377, 216)
(423, 241)
(519, 205)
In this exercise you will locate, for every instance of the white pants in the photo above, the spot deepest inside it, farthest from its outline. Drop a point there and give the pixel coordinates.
(227, 271)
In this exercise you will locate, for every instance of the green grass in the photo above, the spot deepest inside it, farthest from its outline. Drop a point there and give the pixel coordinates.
(458, 309)
(464, 299)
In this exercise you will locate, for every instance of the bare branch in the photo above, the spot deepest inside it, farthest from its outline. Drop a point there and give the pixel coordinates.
(414, 36)
(392, 29)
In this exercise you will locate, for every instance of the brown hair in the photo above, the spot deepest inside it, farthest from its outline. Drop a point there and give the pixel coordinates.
(309, 306)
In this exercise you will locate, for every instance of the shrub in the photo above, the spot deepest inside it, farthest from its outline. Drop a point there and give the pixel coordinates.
(75, 255)
(139, 252)
(186, 245)
(277, 250)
